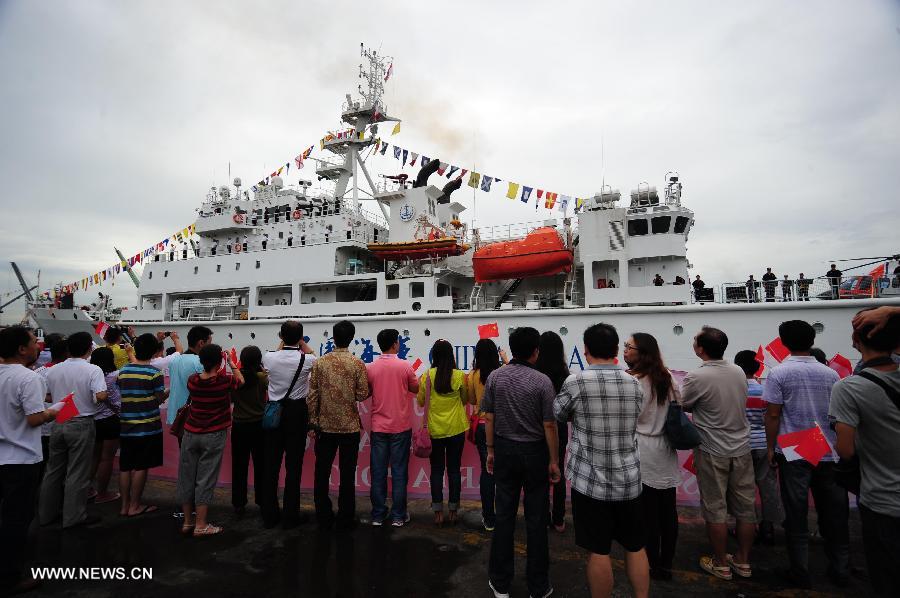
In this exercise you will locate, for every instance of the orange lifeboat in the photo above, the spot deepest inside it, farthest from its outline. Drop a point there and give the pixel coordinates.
(541, 253)
(421, 249)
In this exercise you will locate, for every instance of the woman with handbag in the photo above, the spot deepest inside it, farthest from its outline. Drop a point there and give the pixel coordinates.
(246, 431)
(660, 474)
(487, 359)
(551, 362)
(442, 391)
(203, 443)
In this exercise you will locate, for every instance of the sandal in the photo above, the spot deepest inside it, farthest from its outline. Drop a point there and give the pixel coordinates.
(451, 518)
(187, 530)
(208, 530)
(742, 569)
(439, 518)
(106, 497)
(708, 564)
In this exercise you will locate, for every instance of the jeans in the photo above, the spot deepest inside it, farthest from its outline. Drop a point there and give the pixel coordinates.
(68, 473)
(287, 442)
(767, 484)
(486, 481)
(394, 449)
(661, 526)
(446, 450)
(246, 443)
(328, 445)
(519, 465)
(18, 489)
(198, 466)
(558, 513)
(881, 541)
(798, 478)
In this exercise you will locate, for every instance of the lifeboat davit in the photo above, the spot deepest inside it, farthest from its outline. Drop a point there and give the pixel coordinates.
(541, 253)
(426, 248)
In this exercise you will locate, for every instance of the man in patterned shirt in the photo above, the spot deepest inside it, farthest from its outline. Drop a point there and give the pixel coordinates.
(337, 382)
(603, 404)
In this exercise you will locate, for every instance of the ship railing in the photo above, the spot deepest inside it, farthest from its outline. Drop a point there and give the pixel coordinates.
(807, 289)
(506, 232)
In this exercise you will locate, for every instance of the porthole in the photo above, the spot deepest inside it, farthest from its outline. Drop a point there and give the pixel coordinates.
(252, 335)
(325, 334)
(563, 331)
(678, 330)
(819, 327)
(229, 335)
(416, 306)
(406, 333)
(427, 332)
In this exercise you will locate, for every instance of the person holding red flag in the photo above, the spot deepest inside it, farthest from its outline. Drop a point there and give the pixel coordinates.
(866, 424)
(798, 392)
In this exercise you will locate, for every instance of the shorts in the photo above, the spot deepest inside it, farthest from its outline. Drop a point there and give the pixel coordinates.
(727, 485)
(599, 522)
(140, 452)
(107, 428)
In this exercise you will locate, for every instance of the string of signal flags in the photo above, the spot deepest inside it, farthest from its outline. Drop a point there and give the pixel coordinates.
(476, 180)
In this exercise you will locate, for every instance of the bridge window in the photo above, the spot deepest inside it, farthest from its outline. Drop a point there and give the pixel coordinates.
(661, 224)
(416, 289)
(637, 227)
(393, 291)
(681, 224)
(443, 290)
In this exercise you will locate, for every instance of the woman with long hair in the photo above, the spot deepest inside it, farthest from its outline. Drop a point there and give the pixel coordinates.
(106, 426)
(660, 474)
(552, 362)
(487, 359)
(246, 429)
(443, 388)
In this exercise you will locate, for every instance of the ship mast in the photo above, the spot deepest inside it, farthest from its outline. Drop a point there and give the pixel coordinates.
(360, 113)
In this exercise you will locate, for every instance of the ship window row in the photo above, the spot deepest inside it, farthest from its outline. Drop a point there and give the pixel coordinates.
(638, 227)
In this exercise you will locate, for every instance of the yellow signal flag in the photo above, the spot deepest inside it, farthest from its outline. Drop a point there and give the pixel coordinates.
(474, 179)
(396, 129)
(513, 192)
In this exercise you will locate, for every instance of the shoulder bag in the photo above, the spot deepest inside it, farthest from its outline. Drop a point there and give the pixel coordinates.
(473, 417)
(680, 430)
(847, 474)
(177, 427)
(421, 437)
(272, 411)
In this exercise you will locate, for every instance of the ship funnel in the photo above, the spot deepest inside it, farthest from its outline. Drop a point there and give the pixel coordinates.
(449, 188)
(427, 170)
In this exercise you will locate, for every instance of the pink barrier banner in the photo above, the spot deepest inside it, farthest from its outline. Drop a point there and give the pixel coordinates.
(419, 469)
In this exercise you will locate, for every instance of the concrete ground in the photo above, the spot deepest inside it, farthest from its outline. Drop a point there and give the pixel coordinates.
(418, 560)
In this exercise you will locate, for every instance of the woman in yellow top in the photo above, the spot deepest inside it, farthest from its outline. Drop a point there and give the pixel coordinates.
(447, 425)
(487, 359)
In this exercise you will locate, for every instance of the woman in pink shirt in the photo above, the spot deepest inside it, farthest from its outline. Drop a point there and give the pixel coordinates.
(391, 382)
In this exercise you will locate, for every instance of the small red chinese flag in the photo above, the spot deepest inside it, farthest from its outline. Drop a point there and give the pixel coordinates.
(777, 349)
(69, 410)
(101, 328)
(809, 445)
(761, 360)
(234, 357)
(489, 330)
(689, 464)
(841, 365)
(416, 364)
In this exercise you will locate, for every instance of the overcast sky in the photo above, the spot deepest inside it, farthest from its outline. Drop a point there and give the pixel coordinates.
(783, 119)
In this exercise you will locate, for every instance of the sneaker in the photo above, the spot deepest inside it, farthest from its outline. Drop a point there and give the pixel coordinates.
(545, 594)
(497, 594)
(488, 527)
(377, 522)
(401, 522)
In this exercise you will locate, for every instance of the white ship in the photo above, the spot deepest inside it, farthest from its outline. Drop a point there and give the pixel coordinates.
(407, 262)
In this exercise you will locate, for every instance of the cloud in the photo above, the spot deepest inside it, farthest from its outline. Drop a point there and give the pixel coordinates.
(781, 119)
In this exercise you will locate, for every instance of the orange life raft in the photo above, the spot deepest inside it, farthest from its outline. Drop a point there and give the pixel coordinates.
(541, 253)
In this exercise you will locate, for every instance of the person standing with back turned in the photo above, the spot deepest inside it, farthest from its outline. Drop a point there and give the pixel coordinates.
(603, 403)
(288, 370)
(522, 444)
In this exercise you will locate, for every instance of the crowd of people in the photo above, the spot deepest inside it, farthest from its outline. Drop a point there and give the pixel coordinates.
(608, 427)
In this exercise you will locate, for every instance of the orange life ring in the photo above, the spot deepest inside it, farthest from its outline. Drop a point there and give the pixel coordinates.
(237, 247)
(238, 218)
(297, 214)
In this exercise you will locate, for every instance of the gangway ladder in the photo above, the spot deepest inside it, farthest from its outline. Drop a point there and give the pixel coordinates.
(508, 290)
(569, 292)
(476, 298)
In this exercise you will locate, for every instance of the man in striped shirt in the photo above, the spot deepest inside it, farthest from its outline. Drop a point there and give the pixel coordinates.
(766, 479)
(141, 441)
